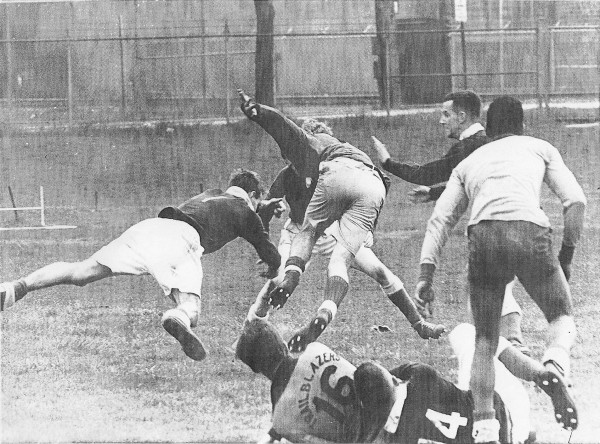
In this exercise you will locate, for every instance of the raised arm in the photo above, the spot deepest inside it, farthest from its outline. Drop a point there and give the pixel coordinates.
(427, 174)
(293, 142)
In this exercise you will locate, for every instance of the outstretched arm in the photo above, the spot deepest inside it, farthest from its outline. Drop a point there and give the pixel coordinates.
(293, 142)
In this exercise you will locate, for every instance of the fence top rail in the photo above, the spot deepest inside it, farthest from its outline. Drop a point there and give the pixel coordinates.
(295, 34)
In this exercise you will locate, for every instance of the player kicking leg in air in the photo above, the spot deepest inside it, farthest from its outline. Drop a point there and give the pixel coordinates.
(169, 247)
(343, 199)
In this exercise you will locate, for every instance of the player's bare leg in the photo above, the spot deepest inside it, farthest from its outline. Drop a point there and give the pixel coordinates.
(58, 273)
(367, 262)
(510, 322)
(179, 321)
(554, 299)
(486, 304)
(335, 292)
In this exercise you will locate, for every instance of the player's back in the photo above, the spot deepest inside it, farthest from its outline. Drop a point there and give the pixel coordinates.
(436, 411)
(319, 399)
(219, 217)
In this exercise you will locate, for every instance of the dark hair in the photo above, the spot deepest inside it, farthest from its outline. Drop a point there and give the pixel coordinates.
(466, 101)
(261, 347)
(374, 396)
(504, 116)
(247, 180)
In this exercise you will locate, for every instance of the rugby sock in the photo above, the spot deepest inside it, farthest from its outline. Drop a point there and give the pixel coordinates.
(327, 311)
(20, 289)
(336, 289)
(485, 430)
(402, 300)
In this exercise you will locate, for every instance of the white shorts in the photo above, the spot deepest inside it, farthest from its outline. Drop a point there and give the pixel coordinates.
(509, 387)
(169, 250)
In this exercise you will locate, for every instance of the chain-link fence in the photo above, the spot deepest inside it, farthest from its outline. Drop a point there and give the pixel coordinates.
(127, 78)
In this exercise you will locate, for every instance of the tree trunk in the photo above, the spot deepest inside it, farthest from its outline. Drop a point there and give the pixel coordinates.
(384, 13)
(264, 70)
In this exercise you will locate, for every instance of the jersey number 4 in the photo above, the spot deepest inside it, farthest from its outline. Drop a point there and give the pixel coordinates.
(342, 393)
(439, 420)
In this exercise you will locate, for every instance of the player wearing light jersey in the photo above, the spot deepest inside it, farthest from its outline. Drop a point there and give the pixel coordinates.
(509, 235)
(320, 396)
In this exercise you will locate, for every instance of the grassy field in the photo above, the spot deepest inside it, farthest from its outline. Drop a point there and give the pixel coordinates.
(94, 364)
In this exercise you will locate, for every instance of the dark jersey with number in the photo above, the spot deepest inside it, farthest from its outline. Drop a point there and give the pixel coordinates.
(436, 411)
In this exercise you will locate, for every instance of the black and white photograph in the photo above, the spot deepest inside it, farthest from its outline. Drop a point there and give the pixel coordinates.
(300, 221)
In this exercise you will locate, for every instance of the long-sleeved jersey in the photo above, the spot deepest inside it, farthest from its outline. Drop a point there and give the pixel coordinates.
(305, 151)
(439, 170)
(220, 217)
(503, 180)
(296, 192)
(436, 411)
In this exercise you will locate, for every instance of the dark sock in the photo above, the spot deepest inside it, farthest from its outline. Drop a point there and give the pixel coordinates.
(402, 300)
(336, 289)
(20, 289)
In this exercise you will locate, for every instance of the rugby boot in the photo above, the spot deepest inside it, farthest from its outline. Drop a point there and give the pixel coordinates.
(310, 333)
(428, 330)
(553, 384)
(177, 324)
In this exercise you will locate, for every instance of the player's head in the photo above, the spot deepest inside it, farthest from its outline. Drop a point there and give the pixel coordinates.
(313, 126)
(375, 390)
(249, 181)
(261, 348)
(460, 109)
(504, 116)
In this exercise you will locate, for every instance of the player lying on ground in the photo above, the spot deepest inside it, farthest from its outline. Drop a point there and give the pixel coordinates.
(290, 186)
(319, 395)
(169, 247)
(509, 235)
(460, 117)
(338, 184)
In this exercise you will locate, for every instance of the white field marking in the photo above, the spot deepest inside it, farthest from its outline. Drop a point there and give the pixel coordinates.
(583, 125)
(45, 227)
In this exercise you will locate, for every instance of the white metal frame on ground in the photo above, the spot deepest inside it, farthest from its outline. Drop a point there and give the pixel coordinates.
(41, 209)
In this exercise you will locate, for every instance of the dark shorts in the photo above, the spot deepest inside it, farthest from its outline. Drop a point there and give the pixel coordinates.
(501, 250)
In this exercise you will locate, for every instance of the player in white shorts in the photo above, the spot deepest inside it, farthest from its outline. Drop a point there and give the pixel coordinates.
(169, 248)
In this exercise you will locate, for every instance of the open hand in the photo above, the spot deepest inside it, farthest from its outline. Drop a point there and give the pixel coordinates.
(419, 194)
(382, 153)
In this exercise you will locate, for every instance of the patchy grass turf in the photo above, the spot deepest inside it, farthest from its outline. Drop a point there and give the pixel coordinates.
(94, 364)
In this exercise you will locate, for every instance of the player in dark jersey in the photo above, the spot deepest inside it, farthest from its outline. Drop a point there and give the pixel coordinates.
(345, 195)
(319, 395)
(169, 247)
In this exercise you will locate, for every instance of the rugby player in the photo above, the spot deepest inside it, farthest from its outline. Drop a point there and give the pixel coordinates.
(320, 396)
(344, 194)
(509, 235)
(169, 247)
(460, 117)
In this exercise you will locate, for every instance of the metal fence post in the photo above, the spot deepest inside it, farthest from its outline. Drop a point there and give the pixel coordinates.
(388, 93)
(463, 44)
(9, 66)
(69, 80)
(122, 67)
(543, 61)
(227, 80)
